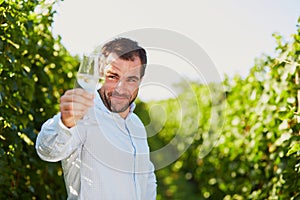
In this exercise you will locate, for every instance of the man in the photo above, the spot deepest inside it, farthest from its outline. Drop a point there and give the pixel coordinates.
(106, 157)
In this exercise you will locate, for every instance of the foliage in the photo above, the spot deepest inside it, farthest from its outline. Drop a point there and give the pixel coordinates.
(245, 144)
(257, 154)
(35, 69)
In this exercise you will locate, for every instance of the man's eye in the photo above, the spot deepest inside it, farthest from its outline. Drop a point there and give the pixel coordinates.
(112, 77)
(132, 80)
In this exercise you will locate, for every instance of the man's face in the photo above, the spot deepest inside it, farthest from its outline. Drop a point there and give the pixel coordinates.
(121, 85)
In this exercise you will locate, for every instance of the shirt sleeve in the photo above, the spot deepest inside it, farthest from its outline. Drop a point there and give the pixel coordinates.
(55, 141)
(151, 185)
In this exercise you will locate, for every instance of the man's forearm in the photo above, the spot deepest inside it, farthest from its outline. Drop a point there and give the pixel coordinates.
(55, 141)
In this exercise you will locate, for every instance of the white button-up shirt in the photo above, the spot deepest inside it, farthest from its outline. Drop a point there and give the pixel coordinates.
(103, 157)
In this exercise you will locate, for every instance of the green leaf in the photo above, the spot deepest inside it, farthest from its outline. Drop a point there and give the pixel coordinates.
(294, 149)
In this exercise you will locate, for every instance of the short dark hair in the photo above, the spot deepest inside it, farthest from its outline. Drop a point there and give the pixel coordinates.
(126, 49)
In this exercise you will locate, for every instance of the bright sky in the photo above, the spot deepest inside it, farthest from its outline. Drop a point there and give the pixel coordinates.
(232, 33)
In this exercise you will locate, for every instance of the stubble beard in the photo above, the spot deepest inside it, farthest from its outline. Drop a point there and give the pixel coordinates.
(112, 106)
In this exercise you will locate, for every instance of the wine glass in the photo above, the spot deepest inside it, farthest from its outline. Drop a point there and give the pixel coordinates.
(89, 75)
(90, 72)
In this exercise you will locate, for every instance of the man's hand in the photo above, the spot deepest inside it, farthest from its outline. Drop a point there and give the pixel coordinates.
(74, 104)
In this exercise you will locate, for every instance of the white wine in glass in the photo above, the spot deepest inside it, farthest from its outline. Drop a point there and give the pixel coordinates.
(88, 82)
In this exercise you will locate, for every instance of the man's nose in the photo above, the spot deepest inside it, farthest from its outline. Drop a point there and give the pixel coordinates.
(120, 86)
